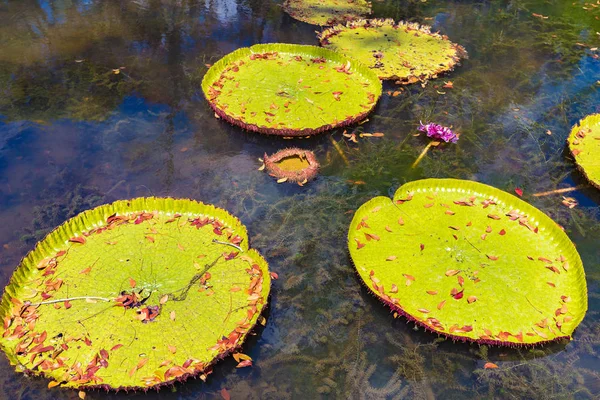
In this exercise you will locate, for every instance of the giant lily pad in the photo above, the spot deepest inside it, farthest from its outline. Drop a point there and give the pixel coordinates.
(134, 294)
(469, 261)
(327, 12)
(290, 90)
(405, 51)
(584, 143)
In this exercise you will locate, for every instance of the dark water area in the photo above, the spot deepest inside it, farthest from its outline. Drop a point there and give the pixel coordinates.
(75, 134)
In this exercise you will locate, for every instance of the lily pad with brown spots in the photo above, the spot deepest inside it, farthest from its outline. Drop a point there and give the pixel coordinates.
(134, 294)
(404, 51)
(290, 90)
(584, 143)
(471, 262)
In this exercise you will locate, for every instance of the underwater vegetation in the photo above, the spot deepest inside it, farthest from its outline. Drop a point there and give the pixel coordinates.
(111, 298)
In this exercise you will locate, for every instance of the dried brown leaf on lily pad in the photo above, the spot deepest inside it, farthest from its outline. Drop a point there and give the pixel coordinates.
(474, 286)
(118, 328)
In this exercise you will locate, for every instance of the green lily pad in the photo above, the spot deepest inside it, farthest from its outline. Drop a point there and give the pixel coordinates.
(134, 294)
(584, 143)
(405, 51)
(290, 90)
(471, 262)
(327, 12)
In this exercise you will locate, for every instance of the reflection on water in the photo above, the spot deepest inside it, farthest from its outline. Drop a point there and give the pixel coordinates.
(101, 100)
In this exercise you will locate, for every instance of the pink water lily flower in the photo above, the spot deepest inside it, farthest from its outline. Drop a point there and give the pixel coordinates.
(439, 132)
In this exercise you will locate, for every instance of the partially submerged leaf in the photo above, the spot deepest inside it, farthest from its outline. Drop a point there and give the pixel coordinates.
(327, 12)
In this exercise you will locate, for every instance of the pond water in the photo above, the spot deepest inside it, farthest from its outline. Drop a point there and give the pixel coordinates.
(75, 134)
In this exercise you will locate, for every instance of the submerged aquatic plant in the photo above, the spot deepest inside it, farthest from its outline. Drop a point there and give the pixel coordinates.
(290, 90)
(469, 261)
(114, 288)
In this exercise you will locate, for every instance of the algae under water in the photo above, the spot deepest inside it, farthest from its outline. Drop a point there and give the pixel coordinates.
(101, 100)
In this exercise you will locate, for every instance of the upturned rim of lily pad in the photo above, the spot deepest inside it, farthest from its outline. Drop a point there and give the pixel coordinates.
(300, 176)
(576, 141)
(319, 53)
(107, 216)
(465, 188)
(460, 52)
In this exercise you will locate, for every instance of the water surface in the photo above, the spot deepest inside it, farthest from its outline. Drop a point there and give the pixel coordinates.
(75, 134)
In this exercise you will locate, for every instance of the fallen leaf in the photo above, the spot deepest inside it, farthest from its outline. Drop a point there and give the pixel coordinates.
(490, 365)
(245, 363)
(225, 394)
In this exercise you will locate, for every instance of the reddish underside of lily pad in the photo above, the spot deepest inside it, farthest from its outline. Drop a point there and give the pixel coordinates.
(296, 165)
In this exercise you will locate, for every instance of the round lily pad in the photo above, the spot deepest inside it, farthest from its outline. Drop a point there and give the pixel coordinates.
(327, 12)
(292, 165)
(471, 262)
(405, 51)
(290, 90)
(134, 294)
(584, 143)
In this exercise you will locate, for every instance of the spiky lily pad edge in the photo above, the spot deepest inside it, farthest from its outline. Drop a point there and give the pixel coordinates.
(468, 187)
(96, 217)
(461, 52)
(306, 174)
(214, 72)
(590, 119)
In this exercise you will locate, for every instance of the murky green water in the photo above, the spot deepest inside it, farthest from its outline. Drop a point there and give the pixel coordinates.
(73, 134)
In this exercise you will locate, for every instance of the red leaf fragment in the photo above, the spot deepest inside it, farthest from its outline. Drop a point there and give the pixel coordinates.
(225, 394)
(519, 191)
(490, 365)
(245, 363)
(274, 275)
(77, 239)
